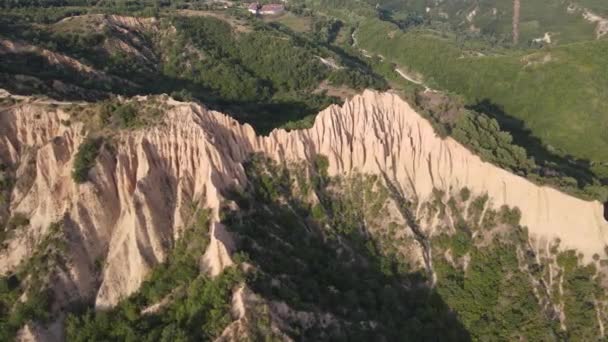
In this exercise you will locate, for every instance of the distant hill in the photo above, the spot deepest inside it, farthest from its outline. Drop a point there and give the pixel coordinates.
(540, 21)
(551, 97)
(251, 68)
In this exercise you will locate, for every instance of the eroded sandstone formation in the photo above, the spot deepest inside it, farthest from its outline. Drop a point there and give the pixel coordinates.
(125, 218)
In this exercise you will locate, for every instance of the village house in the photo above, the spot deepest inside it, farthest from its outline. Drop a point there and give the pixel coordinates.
(268, 9)
(272, 9)
(253, 8)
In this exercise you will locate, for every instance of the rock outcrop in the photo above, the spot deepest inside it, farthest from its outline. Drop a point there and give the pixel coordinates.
(379, 133)
(132, 209)
(126, 217)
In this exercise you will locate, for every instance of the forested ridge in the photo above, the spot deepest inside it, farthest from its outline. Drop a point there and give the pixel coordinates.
(263, 73)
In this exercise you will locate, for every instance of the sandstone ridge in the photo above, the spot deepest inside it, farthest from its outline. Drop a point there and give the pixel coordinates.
(136, 201)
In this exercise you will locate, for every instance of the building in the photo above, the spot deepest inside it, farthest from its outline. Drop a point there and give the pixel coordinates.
(272, 9)
(268, 9)
(253, 8)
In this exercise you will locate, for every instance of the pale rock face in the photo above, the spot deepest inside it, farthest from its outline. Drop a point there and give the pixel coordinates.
(132, 209)
(35, 333)
(246, 311)
(158, 172)
(601, 28)
(381, 134)
(26, 334)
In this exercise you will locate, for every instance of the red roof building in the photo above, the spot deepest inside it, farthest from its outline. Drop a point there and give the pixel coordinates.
(272, 9)
(254, 7)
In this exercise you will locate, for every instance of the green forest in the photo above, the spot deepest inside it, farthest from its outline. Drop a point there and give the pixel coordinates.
(261, 73)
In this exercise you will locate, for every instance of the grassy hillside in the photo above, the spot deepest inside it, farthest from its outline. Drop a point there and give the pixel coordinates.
(559, 93)
(263, 73)
(551, 100)
(555, 94)
(493, 19)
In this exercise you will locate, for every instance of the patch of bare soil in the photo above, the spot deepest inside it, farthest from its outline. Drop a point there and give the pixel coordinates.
(342, 92)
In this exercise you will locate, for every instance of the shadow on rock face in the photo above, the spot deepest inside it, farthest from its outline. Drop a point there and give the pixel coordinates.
(332, 277)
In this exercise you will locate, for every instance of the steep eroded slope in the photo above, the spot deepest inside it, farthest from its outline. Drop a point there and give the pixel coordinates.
(146, 181)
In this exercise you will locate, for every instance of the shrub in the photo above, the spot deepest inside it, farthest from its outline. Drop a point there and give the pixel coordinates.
(465, 194)
(5, 181)
(182, 95)
(476, 207)
(85, 159)
(509, 216)
(126, 114)
(321, 164)
(461, 244)
(16, 221)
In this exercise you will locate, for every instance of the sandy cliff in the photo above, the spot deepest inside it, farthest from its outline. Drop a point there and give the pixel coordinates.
(133, 208)
(380, 133)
